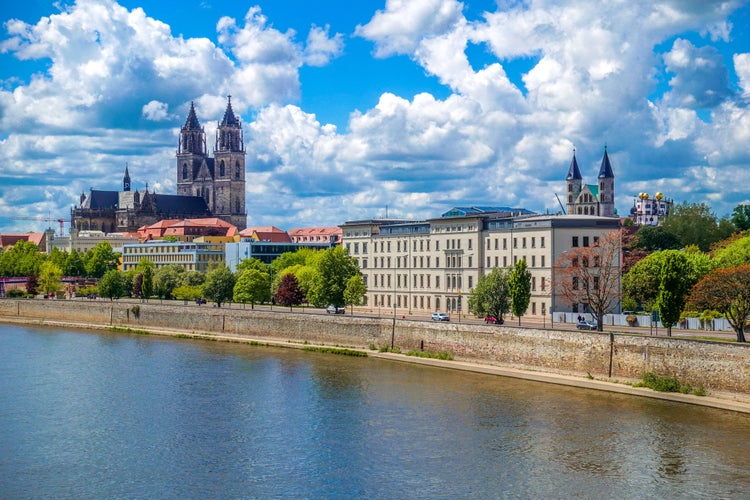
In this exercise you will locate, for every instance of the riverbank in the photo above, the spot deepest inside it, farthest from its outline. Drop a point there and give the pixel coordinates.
(547, 356)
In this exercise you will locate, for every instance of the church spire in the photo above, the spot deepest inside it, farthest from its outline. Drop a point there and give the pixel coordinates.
(605, 171)
(229, 116)
(126, 179)
(192, 135)
(573, 172)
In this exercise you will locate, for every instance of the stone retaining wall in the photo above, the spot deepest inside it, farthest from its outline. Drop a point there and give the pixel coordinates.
(712, 365)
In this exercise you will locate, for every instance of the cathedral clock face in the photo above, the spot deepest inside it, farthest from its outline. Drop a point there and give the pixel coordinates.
(127, 185)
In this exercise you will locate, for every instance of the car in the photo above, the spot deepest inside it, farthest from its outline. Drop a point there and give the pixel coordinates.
(335, 309)
(440, 317)
(493, 320)
(586, 325)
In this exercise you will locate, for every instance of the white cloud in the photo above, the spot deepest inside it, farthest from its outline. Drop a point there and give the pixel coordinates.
(156, 111)
(320, 48)
(700, 77)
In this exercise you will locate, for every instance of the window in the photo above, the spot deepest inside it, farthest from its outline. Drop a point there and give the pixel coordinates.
(488, 261)
(585, 241)
(541, 242)
(184, 171)
(523, 242)
(488, 244)
(469, 260)
(543, 284)
(437, 246)
(437, 261)
(471, 281)
(575, 241)
(496, 261)
(533, 242)
(533, 261)
(496, 243)
(533, 283)
(515, 242)
(237, 170)
(575, 282)
(437, 281)
(505, 261)
(221, 169)
(356, 248)
(469, 244)
(505, 244)
(542, 260)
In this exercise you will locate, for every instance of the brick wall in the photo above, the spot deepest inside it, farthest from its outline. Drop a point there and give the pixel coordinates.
(712, 365)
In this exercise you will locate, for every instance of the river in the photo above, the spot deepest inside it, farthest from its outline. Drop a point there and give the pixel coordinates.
(103, 415)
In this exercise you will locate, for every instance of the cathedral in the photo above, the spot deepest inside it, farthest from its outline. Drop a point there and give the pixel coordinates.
(206, 186)
(591, 199)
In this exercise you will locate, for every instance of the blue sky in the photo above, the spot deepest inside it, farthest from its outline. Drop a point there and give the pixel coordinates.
(352, 107)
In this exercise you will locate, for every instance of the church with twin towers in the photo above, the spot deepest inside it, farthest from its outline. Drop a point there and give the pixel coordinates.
(207, 186)
(220, 180)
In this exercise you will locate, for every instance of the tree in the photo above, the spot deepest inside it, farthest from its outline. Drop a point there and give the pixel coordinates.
(674, 284)
(32, 284)
(491, 296)
(187, 292)
(289, 293)
(74, 264)
(251, 263)
(335, 267)
(100, 259)
(654, 238)
(355, 291)
(591, 276)
(734, 253)
(741, 217)
(137, 288)
(22, 259)
(726, 290)
(642, 281)
(49, 277)
(219, 285)
(166, 279)
(252, 286)
(112, 284)
(695, 224)
(193, 278)
(519, 285)
(146, 269)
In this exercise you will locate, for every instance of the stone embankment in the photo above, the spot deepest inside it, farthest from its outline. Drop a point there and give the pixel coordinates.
(720, 368)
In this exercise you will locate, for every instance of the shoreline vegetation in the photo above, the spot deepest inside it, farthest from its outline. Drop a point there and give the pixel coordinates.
(651, 386)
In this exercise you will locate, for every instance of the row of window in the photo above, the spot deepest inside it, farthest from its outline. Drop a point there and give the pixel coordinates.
(452, 281)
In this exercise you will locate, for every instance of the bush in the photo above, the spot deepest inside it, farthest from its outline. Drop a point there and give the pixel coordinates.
(632, 319)
(668, 384)
(15, 293)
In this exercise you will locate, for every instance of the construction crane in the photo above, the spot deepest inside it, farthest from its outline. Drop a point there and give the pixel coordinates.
(45, 219)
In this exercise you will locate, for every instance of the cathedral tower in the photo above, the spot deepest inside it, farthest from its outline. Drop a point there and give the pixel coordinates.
(229, 170)
(606, 187)
(191, 154)
(573, 181)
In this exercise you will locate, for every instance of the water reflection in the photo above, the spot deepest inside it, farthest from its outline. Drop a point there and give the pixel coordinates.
(113, 415)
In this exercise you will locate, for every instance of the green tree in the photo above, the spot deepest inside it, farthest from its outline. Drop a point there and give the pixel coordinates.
(252, 263)
(695, 224)
(22, 259)
(57, 257)
(734, 253)
(193, 278)
(49, 277)
(112, 284)
(252, 286)
(674, 285)
(642, 282)
(334, 268)
(166, 279)
(219, 285)
(146, 268)
(741, 217)
(654, 238)
(302, 257)
(187, 292)
(289, 293)
(726, 290)
(100, 259)
(74, 265)
(519, 285)
(491, 295)
(355, 291)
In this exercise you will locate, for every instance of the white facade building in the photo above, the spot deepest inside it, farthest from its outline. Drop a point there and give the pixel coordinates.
(433, 265)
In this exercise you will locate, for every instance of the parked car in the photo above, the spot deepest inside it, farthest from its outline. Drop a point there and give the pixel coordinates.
(440, 317)
(335, 309)
(491, 320)
(586, 325)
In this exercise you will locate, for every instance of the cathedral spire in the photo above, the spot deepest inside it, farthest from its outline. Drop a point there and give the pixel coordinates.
(573, 172)
(229, 116)
(126, 179)
(605, 171)
(192, 122)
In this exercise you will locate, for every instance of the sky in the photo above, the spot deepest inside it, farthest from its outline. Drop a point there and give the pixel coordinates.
(367, 109)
